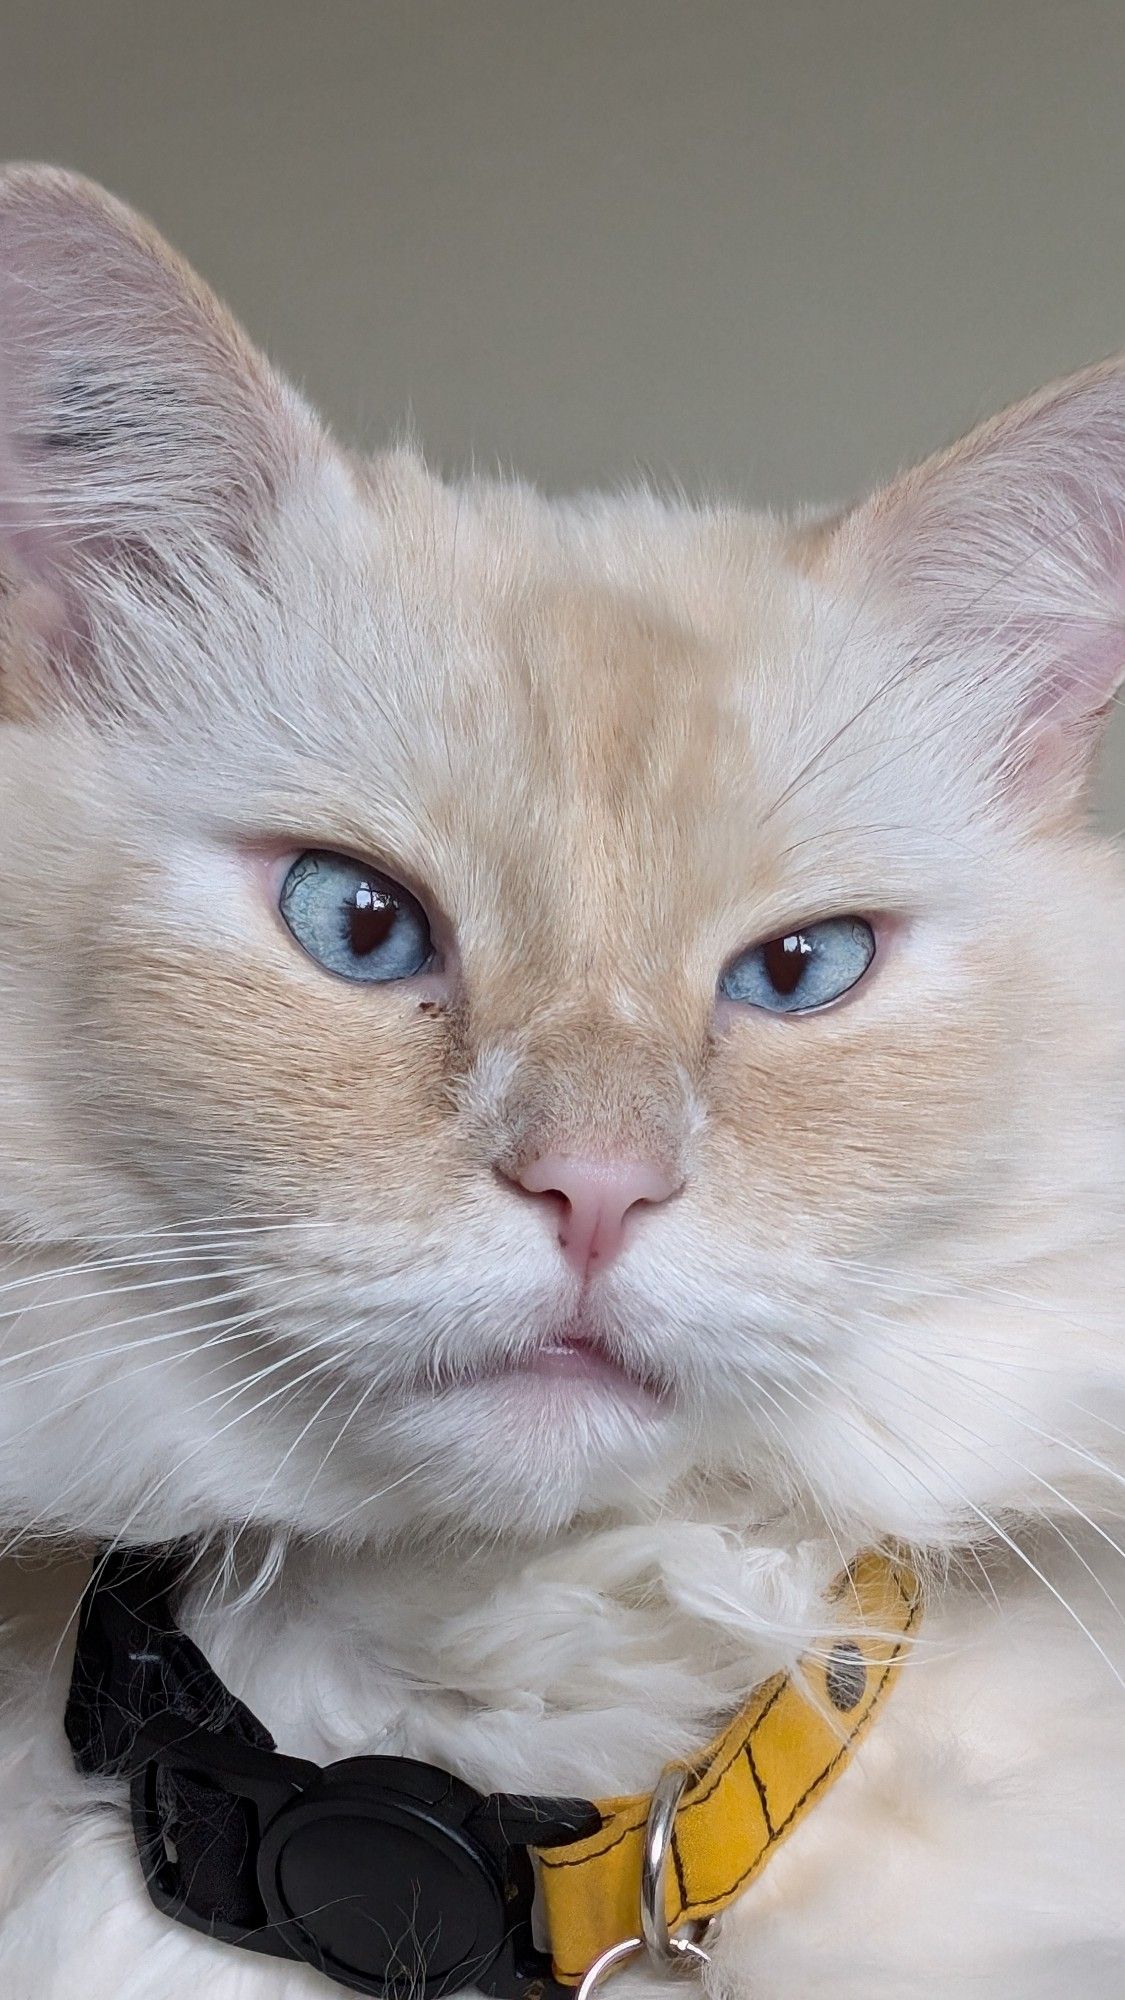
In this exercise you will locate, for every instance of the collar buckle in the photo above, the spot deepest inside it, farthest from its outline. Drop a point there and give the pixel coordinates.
(384, 1874)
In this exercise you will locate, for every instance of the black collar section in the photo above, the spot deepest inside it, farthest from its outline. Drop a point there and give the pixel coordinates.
(387, 1875)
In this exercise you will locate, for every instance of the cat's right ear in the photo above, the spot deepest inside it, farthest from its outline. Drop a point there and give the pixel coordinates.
(139, 429)
(1002, 563)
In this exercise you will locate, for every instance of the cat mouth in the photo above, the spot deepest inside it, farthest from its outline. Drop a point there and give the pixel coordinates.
(573, 1358)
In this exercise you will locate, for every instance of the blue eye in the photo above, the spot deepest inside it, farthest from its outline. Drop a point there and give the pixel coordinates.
(354, 921)
(806, 969)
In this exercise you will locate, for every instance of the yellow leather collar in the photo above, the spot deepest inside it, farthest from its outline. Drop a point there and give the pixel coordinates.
(751, 1785)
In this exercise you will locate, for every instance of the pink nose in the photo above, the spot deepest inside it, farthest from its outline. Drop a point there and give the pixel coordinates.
(596, 1197)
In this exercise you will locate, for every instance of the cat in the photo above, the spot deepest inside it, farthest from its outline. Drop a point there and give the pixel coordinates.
(562, 1077)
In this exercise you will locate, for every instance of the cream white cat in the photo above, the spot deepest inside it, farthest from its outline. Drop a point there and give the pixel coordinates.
(561, 1077)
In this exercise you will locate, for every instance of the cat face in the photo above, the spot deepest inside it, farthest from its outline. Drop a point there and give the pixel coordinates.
(385, 873)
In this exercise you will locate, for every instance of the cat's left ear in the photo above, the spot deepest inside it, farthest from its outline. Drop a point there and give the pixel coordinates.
(139, 429)
(1003, 560)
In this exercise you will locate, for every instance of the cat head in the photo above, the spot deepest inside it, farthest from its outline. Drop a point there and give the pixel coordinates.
(514, 1009)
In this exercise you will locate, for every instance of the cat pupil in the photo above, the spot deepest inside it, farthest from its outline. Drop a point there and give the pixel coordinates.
(371, 915)
(786, 960)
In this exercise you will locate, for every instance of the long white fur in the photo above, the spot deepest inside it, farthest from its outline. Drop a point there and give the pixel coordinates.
(255, 1236)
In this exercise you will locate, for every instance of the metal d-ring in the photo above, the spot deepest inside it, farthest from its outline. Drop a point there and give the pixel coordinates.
(670, 1951)
(603, 1965)
(679, 1951)
(685, 1953)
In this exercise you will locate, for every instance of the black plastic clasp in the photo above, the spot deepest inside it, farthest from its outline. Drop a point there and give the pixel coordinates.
(385, 1874)
(133, 1665)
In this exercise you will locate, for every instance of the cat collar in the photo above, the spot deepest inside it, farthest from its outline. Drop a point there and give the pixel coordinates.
(392, 1876)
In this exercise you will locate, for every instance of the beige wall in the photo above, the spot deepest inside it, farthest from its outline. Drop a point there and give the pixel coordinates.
(774, 246)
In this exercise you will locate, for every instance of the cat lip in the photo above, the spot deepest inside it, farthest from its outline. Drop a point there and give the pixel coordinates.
(573, 1356)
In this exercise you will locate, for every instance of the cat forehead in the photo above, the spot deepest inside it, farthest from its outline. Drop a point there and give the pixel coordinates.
(584, 626)
(534, 708)
(603, 658)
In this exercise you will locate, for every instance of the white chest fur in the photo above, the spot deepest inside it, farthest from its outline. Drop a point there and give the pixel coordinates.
(978, 1843)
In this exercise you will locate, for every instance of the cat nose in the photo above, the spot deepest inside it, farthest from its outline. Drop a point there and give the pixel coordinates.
(596, 1198)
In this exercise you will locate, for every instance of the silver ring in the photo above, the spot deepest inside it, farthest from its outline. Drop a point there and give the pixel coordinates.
(670, 1951)
(674, 1953)
(604, 1964)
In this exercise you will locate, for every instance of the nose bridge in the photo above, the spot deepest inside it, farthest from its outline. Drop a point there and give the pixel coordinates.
(591, 1088)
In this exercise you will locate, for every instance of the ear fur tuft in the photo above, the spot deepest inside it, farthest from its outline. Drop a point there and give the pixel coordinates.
(137, 423)
(1005, 556)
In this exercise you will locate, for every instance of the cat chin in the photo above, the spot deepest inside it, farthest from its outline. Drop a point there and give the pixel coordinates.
(524, 1454)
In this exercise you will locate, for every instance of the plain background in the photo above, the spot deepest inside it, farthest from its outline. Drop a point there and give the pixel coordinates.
(771, 248)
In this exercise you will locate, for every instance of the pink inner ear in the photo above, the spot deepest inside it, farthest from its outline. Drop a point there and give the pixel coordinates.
(1081, 547)
(33, 561)
(1007, 555)
(1074, 665)
(136, 424)
(23, 518)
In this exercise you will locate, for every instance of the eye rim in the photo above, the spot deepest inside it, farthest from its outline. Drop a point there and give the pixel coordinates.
(881, 929)
(427, 977)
